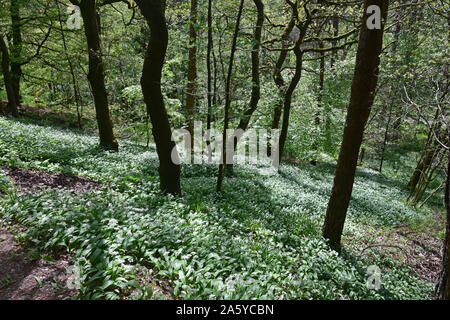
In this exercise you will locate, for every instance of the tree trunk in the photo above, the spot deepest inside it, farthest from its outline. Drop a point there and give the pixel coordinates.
(209, 78)
(361, 99)
(256, 88)
(335, 22)
(321, 83)
(277, 76)
(72, 71)
(443, 286)
(385, 139)
(317, 117)
(288, 99)
(426, 157)
(96, 74)
(290, 90)
(169, 169)
(192, 68)
(16, 49)
(12, 102)
(222, 167)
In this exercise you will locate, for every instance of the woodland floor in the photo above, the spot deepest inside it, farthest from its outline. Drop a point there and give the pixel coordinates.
(22, 275)
(60, 178)
(421, 251)
(27, 276)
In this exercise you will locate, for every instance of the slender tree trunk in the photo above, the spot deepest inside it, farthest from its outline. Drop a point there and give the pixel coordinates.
(12, 102)
(169, 169)
(292, 86)
(426, 156)
(335, 22)
(390, 94)
(288, 99)
(215, 87)
(321, 83)
(16, 48)
(317, 118)
(278, 77)
(209, 77)
(385, 139)
(256, 86)
(192, 68)
(361, 99)
(96, 75)
(72, 72)
(362, 153)
(222, 167)
(443, 286)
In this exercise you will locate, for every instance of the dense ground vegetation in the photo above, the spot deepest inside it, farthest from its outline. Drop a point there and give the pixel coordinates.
(92, 91)
(259, 239)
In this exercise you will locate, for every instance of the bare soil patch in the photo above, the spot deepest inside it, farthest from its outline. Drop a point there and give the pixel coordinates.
(425, 253)
(23, 277)
(32, 181)
(420, 251)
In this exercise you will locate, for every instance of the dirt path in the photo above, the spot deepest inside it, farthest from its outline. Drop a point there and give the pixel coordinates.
(25, 276)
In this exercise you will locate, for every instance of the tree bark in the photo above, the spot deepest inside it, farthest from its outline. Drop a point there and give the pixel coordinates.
(361, 99)
(292, 85)
(96, 74)
(16, 49)
(192, 68)
(72, 71)
(256, 85)
(209, 78)
(427, 155)
(278, 77)
(288, 98)
(321, 83)
(222, 167)
(385, 139)
(335, 22)
(319, 111)
(443, 286)
(169, 170)
(12, 102)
